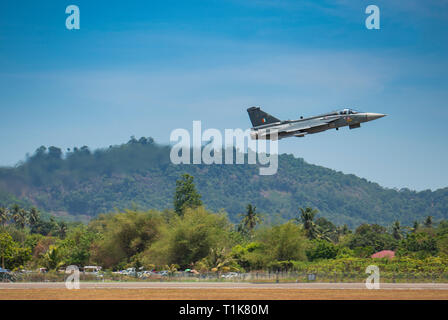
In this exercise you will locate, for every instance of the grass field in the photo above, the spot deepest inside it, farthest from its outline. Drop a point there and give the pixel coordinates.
(219, 294)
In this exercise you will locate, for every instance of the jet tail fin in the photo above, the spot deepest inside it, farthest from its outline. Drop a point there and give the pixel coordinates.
(259, 117)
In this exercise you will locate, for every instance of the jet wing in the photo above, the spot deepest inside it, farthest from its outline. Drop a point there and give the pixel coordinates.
(310, 124)
(301, 129)
(297, 129)
(326, 120)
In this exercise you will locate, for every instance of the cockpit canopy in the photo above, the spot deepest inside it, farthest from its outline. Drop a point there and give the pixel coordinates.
(348, 111)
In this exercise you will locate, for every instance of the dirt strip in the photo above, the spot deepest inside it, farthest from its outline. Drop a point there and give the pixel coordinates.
(222, 285)
(219, 294)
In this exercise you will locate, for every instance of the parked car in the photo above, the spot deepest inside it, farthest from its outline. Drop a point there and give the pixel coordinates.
(6, 275)
(230, 275)
(25, 271)
(43, 270)
(95, 270)
(146, 274)
(92, 269)
(129, 272)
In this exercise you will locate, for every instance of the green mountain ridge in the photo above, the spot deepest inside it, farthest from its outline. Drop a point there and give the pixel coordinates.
(81, 184)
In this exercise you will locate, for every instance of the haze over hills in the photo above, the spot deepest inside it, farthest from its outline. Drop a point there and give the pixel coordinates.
(83, 183)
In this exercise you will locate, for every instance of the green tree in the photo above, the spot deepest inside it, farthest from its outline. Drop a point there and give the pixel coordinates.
(6, 247)
(250, 256)
(186, 195)
(344, 230)
(53, 258)
(62, 229)
(172, 268)
(306, 217)
(44, 227)
(19, 216)
(124, 235)
(191, 238)
(428, 222)
(421, 244)
(284, 242)
(15, 209)
(249, 221)
(4, 216)
(33, 216)
(11, 254)
(218, 259)
(78, 245)
(328, 231)
(322, 249)
(396, 230)
(372, 238)
(415, 226)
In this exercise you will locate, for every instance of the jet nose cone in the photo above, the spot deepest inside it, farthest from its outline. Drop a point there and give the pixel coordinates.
(374, 116)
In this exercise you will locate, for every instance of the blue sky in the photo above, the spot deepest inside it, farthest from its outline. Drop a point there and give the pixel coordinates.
(144, 68)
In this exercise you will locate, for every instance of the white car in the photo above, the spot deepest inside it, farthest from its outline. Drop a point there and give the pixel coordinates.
(230, 275)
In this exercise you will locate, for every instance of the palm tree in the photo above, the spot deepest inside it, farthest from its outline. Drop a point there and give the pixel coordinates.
(52, 258)
(219, 258)
(33, 216)
(415, 227)
(307, 216)
(396, 230)
(250, 220)
(4, 216)
(325, 234)
(428, 222)
(15, 209)
(172, 268)
(62, 229)
(19, 216)
(343, 230)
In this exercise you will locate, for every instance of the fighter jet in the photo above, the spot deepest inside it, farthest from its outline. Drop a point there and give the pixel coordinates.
(264, 124)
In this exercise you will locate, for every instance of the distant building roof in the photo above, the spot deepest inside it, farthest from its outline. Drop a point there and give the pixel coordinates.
(384, 254)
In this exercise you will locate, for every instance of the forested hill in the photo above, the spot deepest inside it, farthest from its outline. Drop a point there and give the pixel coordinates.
(83, 183)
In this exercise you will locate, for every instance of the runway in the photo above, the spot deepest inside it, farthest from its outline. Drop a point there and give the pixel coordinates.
(221, 291)
(224, 285)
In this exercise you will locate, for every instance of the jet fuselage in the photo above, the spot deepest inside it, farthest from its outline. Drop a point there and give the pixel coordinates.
(265, 123)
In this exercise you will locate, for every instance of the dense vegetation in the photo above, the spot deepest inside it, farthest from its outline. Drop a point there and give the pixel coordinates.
(80, 184)
(208, 242)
